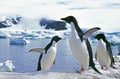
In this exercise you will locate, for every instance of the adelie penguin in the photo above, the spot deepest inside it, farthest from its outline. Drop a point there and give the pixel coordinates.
(48, 54)
(104, 52)
(81, 47)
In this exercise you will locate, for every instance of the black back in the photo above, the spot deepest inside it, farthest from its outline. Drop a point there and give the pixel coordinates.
(70, 19)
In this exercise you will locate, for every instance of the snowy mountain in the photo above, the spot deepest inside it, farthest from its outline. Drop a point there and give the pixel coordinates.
(8, 22)
(53, 24)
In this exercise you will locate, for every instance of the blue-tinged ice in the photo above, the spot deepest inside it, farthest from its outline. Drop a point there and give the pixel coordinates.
(19, 41)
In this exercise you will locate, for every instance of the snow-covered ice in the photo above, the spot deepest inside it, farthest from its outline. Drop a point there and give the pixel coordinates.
(111, 74)
(7, 66)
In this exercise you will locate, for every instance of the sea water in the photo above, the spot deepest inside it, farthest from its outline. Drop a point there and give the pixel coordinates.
(26, 61)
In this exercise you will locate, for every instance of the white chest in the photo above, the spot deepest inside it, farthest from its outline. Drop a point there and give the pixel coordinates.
(48, 58)
(79, 49)
(101, 47)
(102, 54)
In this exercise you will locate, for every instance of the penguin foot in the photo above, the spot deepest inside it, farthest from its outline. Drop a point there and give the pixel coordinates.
(81, 71)
(104, 68)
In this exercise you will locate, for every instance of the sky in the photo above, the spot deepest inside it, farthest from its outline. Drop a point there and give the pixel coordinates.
(89, 13)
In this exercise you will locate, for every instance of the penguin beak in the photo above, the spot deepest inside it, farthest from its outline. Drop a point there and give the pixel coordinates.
(63, 19)
(58, 39)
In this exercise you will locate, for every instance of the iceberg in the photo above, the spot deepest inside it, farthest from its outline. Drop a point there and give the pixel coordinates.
(19, 41)
(16, 20)
(7, 66)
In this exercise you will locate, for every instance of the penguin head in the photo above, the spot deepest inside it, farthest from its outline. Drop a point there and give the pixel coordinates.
(56, 38)
(68, 19)
(100, 36)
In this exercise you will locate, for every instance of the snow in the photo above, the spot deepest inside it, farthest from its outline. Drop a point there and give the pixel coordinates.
(117, 59)
(110, 74)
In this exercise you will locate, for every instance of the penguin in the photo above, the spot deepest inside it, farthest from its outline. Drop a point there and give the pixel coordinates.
(80, 45)
(104, 53)
(48, 54)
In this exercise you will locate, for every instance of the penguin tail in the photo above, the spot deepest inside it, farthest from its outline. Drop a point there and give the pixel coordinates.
(39, 68)
(94, 68)
(113, 67)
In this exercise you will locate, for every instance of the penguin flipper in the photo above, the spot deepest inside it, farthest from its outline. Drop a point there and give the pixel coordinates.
(90, 31)
(113, 67)
(40, 50)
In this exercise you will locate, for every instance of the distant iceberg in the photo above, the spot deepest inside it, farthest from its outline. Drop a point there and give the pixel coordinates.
(19, 41)
(4, 35)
